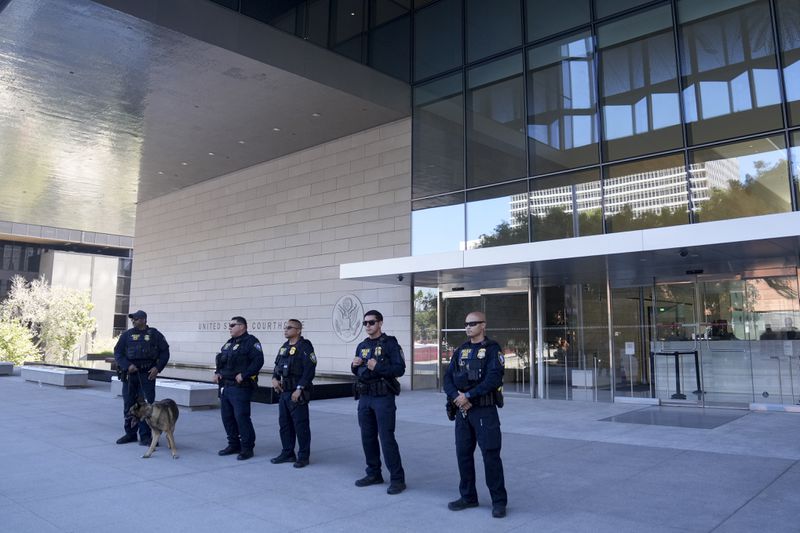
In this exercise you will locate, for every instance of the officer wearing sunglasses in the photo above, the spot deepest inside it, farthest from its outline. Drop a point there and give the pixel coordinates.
(378, 363)
(473, 381)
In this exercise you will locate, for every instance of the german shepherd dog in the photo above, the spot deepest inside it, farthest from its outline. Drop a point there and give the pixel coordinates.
(160, 416)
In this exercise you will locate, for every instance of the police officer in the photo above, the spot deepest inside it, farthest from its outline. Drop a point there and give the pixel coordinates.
(238, 364)
(141, 353)
(377, 364)
(473, 381)
(294, 370)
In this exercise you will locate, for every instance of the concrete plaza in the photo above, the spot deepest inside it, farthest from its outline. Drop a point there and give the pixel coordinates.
(567, 467)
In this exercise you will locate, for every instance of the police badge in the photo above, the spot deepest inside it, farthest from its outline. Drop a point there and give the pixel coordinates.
(292, 350)
(481, 353)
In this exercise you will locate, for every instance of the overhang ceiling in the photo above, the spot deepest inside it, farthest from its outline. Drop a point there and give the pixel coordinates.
(100, 109)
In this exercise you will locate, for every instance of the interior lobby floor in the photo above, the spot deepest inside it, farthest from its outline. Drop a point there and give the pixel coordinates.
(569, 466)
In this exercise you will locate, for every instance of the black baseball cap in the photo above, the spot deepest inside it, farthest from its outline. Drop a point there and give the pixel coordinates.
(138, 314)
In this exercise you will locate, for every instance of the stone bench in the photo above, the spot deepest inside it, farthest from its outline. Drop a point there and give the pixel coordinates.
(6, 369)
(191, 394)
(61, 377)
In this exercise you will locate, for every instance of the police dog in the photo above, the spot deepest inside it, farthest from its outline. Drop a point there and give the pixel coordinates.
(160, 416)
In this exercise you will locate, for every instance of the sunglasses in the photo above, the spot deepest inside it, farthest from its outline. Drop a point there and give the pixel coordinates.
(473, 324)
(234, 325)
(369, 322)
(290, 327)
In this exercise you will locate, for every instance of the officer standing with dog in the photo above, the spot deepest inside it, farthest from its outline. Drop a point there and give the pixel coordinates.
(238, 364)
(294, 371)
(141, 354)
(377, 364)
(473, 383)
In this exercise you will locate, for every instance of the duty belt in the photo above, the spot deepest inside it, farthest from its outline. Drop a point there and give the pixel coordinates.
(374, 388)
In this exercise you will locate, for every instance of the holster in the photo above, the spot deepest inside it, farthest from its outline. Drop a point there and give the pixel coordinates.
(451, 409)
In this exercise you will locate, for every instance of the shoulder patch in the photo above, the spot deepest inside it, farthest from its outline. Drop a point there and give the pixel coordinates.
(313, 357)
(501, 359)
(257, 346)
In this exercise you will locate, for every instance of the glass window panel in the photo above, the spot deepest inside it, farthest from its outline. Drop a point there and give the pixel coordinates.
(638, 85)
(551, 18)
(349, 17)
(354, 48)
(603, 8)
(652, 193)
(125, 266)
(730, 76)
(438, 137)
(233, 4)
(422, 3)
(497, 216)
(492, 27)
(562, 105)
(796, 162)
(389, 48)
(495, 122)
(789, 30)
(318, 22)
(569, 205)
(268, 11)
(438, 39)
(383, 11)
(437, 224)
(740, 179)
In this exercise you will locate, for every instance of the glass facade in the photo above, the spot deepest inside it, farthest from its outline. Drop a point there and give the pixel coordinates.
(617, 115)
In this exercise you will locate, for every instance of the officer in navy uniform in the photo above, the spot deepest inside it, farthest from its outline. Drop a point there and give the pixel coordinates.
(473, 381)
(377, 364)
(294, 371)
(141, 353)
(238, 364)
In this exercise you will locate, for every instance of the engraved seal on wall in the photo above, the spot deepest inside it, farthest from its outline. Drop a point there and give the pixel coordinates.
(347, 314)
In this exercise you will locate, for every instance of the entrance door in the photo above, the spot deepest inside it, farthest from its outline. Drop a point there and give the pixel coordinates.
(726, 342)
(507, 322)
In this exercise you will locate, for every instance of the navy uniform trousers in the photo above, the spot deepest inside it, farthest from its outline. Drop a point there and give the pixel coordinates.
(137, 385)
(376, 417)
(294, 423)
(235, 407)
(482, 427)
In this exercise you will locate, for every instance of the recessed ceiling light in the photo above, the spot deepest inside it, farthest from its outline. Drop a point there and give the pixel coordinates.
(315, 115)
(184, 163)
(352, 13)
(276, 129)
(161, 172)
(210, 153)
(240, 142)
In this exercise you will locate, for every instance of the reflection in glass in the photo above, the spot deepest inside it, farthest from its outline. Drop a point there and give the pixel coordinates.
(566, 206)
(543, 20)
(438, 38)
(497, 216)
(438, 137)
(425, 356)
(349, 18)
(318, 19)
(492, 27)
(562, 105)
(740, 179)
(604, 8)
(730, 76)
(788, 12)
(381, 12)
(638, 84)
(437, 224)
(495, 122)
(646, 194)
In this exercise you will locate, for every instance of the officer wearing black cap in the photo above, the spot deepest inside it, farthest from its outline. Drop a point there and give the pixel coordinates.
(377, 364)
(238, 364)
(141, 353)
(473, 381)
(295, 366)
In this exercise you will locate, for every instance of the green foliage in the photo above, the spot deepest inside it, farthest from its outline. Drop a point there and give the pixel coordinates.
(425, 325)
(58, 317)
(16, 342)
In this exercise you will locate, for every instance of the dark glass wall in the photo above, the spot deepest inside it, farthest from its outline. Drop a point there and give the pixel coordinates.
(600, 116)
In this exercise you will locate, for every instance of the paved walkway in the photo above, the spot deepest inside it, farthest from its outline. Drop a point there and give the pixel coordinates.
(566, 470)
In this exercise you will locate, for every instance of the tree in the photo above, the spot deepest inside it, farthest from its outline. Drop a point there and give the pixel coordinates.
(425, 325)
(58, 317)
(16, 342)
